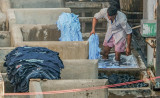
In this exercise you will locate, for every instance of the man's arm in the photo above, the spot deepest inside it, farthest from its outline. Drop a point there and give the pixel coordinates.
(128, 31)
(94, 22)
(97, 16)
(128, 49)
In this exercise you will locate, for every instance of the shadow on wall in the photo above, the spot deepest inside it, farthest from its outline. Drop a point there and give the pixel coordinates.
(40, 33)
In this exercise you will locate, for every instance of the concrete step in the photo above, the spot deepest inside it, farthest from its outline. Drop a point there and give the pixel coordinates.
(74, 69)
(42, 86)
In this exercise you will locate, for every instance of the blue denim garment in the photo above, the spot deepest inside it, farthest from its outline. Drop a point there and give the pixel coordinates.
(25, 63)
(94, 50)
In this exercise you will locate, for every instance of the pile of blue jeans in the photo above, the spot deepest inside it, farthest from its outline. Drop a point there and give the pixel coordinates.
(25, 63)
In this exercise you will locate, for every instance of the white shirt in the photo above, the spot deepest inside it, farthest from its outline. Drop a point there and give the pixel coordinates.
(118, 29)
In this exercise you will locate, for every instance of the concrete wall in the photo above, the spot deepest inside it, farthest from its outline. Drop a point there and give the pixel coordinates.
(80, 69)
(4, 39)
(35, 16)
(40, 33)
(55, 85)
(67, 50)
(7, 4)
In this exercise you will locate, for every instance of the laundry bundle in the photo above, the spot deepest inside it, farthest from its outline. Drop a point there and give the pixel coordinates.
(69, 25)
(25, 63)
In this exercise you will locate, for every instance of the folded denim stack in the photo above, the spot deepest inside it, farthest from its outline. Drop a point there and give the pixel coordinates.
(25, 63)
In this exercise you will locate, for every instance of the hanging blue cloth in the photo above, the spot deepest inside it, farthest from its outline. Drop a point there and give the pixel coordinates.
(69, 25)
(94, 50)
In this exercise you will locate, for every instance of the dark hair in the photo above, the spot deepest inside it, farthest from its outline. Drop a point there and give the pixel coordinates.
(112, 10)
(115, 3)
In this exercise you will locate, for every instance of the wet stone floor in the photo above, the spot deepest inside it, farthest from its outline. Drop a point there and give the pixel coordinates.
(125, 62)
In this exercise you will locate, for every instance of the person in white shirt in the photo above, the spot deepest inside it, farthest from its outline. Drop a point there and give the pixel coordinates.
(118, 33)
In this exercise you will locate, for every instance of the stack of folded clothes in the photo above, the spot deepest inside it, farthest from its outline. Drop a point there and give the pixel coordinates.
(25, 63)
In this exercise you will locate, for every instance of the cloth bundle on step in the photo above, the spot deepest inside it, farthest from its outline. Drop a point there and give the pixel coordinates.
(69, 25)
(25, 63)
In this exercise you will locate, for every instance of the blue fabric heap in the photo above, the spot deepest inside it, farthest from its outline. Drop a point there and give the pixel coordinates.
(25, 63)
(94, 50)
(69, 25)
(122, 78)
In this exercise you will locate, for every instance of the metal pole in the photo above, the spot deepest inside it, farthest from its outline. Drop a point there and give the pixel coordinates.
(158, 47)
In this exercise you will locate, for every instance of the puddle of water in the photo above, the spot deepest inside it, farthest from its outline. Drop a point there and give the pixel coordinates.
(126, 62)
